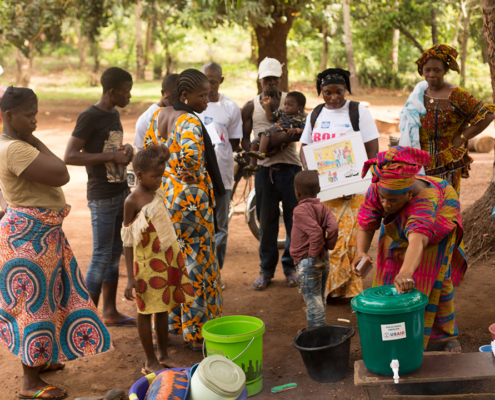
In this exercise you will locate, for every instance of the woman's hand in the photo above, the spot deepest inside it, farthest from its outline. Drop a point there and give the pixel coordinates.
(187, 177)
(131, 286)
(458, 141)
(404, 283)
(356, 261)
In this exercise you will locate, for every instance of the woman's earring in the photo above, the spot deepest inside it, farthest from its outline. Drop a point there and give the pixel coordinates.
(185, 101)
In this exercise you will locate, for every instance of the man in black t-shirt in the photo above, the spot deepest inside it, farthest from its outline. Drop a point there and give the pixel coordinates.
(96, 143)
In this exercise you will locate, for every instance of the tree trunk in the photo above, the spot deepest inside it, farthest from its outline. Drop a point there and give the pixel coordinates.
(479, 228)
(149, 41)
(24, 67)
(272, 42)
(464, 48)
(254, 49)
(95, 53)
(324, 52)
(395, 49)
(139, 42)
(434, 26)
(355, 86)
(489, 31)
(82, 44)
(456, 31)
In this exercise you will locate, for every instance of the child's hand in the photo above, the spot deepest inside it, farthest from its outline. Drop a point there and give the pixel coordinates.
(266, 100)
(128, 292)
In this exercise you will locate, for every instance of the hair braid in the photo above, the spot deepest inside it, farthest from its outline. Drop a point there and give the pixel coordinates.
(188, 81)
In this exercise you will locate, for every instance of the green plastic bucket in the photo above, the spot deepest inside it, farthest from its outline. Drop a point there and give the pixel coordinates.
(391, 327)
(240, 339)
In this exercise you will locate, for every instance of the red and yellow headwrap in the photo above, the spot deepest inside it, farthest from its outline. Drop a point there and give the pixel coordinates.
(441, 51)
(395, 170)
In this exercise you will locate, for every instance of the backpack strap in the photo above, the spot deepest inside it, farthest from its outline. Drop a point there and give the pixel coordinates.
(315, 113)
(354, 115)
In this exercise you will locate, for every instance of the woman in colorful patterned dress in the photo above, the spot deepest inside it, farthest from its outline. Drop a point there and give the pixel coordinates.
(191, 182)
(420, 230)
(155, 267)
(46, 312)
(440, 117)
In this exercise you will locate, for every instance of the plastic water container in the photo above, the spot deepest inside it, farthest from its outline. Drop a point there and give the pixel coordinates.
(391, 327)
(216, 378)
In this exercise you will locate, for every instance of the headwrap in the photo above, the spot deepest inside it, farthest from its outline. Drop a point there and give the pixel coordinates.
(395, 170)
(337, 76)
(14, 97)
(441, 51)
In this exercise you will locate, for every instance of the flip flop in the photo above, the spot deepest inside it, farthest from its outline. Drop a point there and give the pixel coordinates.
(293, 281)
(449, 346)
(123, 322)
(261, 285)
(257, 154)
(43, 390)
(49, 367)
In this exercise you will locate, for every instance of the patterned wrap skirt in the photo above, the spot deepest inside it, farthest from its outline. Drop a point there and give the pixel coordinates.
(46, 312)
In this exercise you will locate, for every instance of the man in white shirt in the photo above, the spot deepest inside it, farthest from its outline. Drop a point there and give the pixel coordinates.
(226, 115)
(144, 121)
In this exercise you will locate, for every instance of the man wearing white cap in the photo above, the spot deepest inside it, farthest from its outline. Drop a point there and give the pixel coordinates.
(275, 180)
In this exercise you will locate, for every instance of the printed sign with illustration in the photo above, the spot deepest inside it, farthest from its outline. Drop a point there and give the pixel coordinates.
(115, 172)
(339, 162)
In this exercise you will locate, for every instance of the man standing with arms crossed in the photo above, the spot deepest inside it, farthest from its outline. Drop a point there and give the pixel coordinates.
(226, 115)
(275, 180)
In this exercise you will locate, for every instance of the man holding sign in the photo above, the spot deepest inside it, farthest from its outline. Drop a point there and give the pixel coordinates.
(223, 115)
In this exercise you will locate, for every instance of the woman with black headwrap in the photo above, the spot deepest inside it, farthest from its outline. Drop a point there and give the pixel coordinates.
(337, 117)
(46, 313)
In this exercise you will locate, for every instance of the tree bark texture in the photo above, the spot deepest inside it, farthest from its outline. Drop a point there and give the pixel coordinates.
(149, 41)
(324, 51)
(456, 31)
(464, 48)
(395, 49)
(95, 53)
(24, 68)
(346, 7)
(272, 42)
(410, 36)
(434, 26)
(139, 42)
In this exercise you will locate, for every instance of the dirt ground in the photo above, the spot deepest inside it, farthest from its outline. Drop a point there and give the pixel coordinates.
(281, 308)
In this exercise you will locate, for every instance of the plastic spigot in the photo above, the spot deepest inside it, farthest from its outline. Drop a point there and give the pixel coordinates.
(395, 367)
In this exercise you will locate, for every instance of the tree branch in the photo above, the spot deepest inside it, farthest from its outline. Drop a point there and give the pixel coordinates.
(408, 35)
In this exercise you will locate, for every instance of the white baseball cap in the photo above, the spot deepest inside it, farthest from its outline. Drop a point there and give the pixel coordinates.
(270, 67)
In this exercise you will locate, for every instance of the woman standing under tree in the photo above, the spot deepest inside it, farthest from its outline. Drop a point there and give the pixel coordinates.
(191, 182)
(440, 117)
(46, 312)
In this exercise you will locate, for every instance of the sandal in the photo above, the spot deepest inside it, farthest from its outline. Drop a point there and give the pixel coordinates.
(293, 281)
(261, 284)
(251, 168)
(40, 394)
(257, 154)
(450, 346)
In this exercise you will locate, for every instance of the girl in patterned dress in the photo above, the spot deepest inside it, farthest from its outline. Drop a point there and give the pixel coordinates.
(156, 270)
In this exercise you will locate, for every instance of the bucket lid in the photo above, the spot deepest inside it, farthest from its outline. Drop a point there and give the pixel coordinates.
(385, 300)
(222, 376)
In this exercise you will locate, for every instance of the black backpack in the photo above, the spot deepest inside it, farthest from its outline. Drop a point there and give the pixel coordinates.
(353, 115)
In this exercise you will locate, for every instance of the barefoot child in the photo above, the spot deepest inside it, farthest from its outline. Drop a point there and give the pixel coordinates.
(290, 121)
(314, 232)
(155, 268)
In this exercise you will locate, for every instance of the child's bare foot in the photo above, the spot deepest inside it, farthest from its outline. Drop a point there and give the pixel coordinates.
(153, 366)
(169, 363)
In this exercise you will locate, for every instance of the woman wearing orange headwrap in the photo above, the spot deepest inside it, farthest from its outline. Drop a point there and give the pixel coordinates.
(421, 230)
(440, 117)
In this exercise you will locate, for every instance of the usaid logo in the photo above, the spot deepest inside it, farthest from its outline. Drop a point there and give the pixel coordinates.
(208, 120)
(325, 125)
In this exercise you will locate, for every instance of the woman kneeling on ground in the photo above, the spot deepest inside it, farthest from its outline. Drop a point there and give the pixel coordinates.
(46, 313)
(421, 229)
